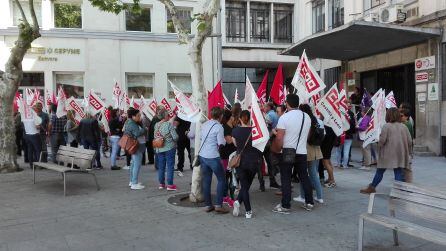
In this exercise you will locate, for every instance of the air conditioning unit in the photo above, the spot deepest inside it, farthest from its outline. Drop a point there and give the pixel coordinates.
(392, 14)
(371, 17)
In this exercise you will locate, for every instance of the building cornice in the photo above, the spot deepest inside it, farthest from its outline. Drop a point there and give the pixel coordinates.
(113, 35)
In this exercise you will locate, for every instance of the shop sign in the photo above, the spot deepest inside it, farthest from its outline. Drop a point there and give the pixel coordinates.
(421, 76)
(420, 88)
(432, 91)
(425, 63)
(50, 54)
(351, 82)
(422, 107)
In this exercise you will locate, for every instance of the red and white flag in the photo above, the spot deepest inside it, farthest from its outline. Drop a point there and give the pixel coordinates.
(186, 109)
(104, 122)
(149, 109)
(117, 93)
(168, 107)
(261, 92)
(236, 97)
(390, 100)
(379, 107)
(343, 108)
(373, 131)
(95, 103)
(26, 112)
(328, 106)
(277, 94)
(61, 103)
(314, 101)
(76, 107)
(260, 133)
(306, 80)
(124, 102)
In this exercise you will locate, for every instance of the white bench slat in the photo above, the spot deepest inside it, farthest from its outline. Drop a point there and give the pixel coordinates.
(417, 189)
(52, 166)
(76, 149)
(419, 198)
(407, 227)
(424, 212)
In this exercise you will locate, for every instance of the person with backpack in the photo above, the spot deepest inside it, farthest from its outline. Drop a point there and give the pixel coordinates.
(314, 154)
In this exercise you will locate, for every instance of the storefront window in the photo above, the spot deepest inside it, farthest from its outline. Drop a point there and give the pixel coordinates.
(33, 81)
(67, 15)
(138, 21)
(318, 16)
(236, 21)
(260, 22)
(235, 78)
(139, 85)
(185, 17)
(72, 84)
(283, 23)
(370, 4)
(17, 17)
(183, 82)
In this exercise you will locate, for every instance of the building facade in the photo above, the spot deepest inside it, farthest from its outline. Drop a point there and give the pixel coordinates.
(83, 48)
(392, 44)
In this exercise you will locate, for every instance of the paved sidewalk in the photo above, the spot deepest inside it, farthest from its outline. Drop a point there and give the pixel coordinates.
(38, 217)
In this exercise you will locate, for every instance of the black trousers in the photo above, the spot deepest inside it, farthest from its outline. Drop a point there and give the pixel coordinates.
(150, 152)
(246, 177)
(34, 147)
(181, 146)
(321, 170)
(271, 169)
(286, 170)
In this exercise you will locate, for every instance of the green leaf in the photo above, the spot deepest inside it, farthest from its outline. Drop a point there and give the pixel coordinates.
(201, 26)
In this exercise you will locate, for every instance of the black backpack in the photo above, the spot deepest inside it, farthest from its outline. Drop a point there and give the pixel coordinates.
(317, 134)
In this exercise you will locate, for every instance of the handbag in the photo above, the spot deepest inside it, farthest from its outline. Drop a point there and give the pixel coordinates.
(129, 144)
(234, 162)
(289, 154)
(197, 159)
(159, 142)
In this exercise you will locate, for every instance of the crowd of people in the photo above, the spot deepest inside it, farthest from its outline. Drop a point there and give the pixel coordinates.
(299, 148)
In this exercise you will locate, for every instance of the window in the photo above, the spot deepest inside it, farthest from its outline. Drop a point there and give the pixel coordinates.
(260, 23)
(318, 16)
(139, 85)
(370, 4)
(72, 84)
(336, 13)
(138, 21)
(235, 78)
(67, 15)
(283, 23)
(17, 17)
(183, 82)
(185, 17)
(236, 21)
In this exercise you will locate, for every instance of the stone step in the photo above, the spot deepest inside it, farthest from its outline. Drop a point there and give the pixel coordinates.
(420, 148)
(424, 154)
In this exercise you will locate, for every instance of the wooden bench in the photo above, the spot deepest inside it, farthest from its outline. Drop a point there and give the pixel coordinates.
(422, 204)
(67, 158)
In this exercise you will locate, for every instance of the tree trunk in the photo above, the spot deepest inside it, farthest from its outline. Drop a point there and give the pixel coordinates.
(8, 161)
(195, 55)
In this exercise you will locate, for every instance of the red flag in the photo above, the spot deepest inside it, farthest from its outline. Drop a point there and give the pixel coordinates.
(277, 94)
(16, 102)
(216, 98)
(261, 92)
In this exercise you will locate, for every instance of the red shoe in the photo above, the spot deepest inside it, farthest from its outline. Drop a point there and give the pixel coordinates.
(228, 201)
(171, 187)
(161, 186)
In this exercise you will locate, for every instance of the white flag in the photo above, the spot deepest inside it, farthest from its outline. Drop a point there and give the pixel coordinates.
(117, 93)
(328, 106)
(375, 97)
(236, 97)
(306, 80)
(390, 100)
(61, 103)
(372, 132)
(187, 110)
(260, 133)
(76, 107)
(343, 108)
(104, 122)
(95, 102)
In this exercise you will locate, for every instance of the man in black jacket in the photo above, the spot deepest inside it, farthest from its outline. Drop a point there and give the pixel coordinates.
(89, 133)
(183, 143)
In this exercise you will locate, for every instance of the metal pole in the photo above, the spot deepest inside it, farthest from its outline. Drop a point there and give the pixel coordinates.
(219, 46)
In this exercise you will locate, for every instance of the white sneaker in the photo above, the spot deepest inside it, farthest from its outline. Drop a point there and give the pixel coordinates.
(236, 210)
(320, 201)
(248, 215)
(126, 168)
(130, 183)
(137, 187)
(180, 174)
(299, 199)
(365, 168)
(307, 207)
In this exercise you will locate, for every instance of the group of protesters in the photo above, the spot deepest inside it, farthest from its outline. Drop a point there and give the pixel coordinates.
(299, 148)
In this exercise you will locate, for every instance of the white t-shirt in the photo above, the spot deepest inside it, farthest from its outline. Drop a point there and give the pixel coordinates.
(291, 122)
(30, 126)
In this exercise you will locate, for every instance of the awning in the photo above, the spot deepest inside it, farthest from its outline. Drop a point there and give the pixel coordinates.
(359, 39)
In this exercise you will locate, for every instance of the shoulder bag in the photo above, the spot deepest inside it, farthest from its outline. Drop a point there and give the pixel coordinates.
(289, 154)
(128, 143)
(197, 159)
(234, 162)
(159, 142)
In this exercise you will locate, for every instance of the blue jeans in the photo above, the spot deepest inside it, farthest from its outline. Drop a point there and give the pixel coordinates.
(93, 145)
(34, 146)
(114, 140)
(338, 155)
(209, 166)
(165, 163)
(135, 165)
(314, 178)
(346, 152)
(399, 176)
